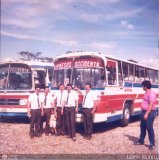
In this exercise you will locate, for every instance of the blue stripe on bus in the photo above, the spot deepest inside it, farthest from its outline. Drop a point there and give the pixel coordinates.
(140, 85)
(114, 118)
(128, 84)
(56, 88)
(12, 114)
(137, 85)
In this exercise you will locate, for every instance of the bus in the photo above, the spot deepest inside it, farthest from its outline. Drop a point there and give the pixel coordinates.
(17, 81)
(116, 82)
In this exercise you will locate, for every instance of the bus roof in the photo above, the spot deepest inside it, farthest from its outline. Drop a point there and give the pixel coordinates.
(34, 64)
(101, 55)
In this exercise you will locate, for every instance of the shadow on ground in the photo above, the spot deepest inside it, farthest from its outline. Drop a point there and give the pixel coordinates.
(97, 128)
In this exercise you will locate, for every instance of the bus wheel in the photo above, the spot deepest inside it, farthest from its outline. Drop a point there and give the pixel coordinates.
(126, 116)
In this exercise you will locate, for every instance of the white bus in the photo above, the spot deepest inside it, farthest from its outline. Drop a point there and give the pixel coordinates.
(116, 82)
(18, 80)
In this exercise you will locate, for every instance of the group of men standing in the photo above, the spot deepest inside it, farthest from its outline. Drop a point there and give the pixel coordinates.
(65, 105)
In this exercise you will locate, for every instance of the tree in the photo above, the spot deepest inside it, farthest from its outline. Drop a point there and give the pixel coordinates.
(28, 56)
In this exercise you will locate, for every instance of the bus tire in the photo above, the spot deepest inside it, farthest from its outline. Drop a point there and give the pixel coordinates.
(126, 116)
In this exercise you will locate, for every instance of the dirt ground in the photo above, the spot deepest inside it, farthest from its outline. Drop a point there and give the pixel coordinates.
(110, 141)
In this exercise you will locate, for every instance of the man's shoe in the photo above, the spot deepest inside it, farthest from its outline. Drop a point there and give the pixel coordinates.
(151, 146)
(46, 134)
(74, 139)
(139, 143)
(89, 137)
(31, 137)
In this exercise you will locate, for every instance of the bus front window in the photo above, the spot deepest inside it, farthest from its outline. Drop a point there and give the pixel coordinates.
(94, 76)
(62, 76)
(19, 80)
(15, 77)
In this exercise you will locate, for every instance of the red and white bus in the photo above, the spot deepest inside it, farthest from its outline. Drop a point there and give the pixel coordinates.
(17, 81)
(116, 82)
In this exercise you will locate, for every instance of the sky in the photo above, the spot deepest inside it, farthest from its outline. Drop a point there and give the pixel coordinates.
(126, 29)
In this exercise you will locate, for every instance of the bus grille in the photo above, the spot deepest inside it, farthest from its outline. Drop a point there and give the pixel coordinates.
(9, 101)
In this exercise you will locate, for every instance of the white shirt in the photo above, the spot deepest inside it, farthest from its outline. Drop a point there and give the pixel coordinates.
(49, 100)
(59, 97)
(89, 99)
(71, 98)
(33, 99)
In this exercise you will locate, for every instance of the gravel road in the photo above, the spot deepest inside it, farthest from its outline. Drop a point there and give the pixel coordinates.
(109, 139)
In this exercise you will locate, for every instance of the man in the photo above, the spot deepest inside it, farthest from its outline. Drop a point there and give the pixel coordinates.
(70, 108)
(34, 112)
(59, 99)
(148, 114)
(47, 105)
(89, 107)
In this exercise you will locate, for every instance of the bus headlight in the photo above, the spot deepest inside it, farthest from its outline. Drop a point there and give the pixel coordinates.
(22, 102)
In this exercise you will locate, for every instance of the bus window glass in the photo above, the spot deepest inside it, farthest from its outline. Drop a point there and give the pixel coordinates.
(40, 78)
(152, 75)
(3, 75)
(125, 71)
(141, 74)
(50, 72)
(62, 76)
(120, 73)
(111, 73)
(94, 76)
(146, 74)
(137, 74)
(156, 77)
(131, 72)
(19, 77)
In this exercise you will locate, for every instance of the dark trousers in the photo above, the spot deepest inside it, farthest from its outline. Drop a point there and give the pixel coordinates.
(35, 120)
(147, 125)
(88, 121)
(47, 115)
(69, 113)
(60, 122)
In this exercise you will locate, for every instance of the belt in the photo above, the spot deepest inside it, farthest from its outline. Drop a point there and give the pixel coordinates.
(36, 109)
(70, 106)
(87, 108)
(146, 110)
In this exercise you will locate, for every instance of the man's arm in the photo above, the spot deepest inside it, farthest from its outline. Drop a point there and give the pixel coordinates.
(94, 107)
(76, 107)
(63, 105)
(28, 109)
(149, 110)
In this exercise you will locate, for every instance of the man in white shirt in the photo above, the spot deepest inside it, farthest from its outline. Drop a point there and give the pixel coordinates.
(59, 100)
(47, 105)
(70, 108)
(34, 112)
(89, 107)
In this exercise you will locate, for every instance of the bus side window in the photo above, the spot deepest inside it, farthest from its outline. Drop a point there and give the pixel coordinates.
(111, 75)
(41, 78)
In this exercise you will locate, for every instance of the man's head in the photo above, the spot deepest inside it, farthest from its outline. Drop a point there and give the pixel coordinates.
(37, 89)
(47, 90)
(69, 87)
(88, 87)
(146, 84)
(61, 87)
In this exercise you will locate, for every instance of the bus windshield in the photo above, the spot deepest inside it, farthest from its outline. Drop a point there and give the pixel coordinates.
(15, 77)
(80, 71)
